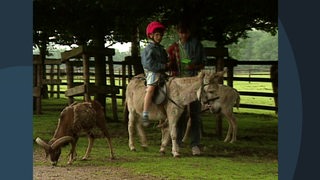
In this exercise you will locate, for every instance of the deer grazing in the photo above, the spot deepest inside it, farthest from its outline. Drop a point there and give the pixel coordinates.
(74, 119)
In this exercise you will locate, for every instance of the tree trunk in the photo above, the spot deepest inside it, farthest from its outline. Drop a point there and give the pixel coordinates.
(43, 52)
(100, 69)
(135, 52)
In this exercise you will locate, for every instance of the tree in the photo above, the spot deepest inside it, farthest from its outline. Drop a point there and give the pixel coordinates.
(77, 21)
(259, 46)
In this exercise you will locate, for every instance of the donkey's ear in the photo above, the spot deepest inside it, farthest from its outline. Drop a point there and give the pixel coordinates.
(218, 76)
(221, 73)
(225, 69)
(201, 74)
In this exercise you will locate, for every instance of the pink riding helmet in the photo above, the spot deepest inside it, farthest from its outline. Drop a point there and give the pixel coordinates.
(152, 26)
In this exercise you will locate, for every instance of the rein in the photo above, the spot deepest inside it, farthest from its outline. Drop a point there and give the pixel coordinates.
(204, 102)
(212, 99)
(170, 98)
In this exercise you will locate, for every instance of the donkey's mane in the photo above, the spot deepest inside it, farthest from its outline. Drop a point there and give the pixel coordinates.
(185, 81)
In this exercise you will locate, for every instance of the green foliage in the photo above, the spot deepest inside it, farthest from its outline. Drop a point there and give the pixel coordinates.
(120, 56)
(258, 46)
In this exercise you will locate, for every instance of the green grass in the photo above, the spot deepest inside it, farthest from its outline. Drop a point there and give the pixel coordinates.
(253, 156)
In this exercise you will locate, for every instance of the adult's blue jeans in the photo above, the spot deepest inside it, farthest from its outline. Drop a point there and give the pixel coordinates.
(195, 110)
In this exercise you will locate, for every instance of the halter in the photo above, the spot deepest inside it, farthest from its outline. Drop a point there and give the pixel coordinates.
(202, 93)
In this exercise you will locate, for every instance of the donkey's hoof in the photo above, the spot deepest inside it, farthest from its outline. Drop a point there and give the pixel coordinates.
(162, 153)
(144, 147)
(84, 158)
(175, 154)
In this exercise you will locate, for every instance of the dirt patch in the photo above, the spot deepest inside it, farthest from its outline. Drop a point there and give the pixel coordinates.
(64, 172)
(82, 173)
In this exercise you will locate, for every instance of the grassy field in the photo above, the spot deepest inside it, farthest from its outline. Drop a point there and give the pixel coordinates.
(253, 156)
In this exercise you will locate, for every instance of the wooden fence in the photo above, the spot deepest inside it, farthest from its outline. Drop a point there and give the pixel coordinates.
(268, 64)
(56, 76)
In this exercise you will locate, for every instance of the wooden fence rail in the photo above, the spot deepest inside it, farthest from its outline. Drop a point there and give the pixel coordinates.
(257, 79)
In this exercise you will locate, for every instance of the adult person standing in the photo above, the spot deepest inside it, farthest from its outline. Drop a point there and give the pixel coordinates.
(187, 58)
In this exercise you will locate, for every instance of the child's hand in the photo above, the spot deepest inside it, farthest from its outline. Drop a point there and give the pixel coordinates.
(191, 67)
(195, 67)
(169, 64)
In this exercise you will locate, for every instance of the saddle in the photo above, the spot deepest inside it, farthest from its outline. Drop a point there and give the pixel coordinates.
(160, 93)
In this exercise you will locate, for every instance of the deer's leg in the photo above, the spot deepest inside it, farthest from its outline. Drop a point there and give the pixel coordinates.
(107, 135)
(72, 154)
(101, 124)
(90, 144)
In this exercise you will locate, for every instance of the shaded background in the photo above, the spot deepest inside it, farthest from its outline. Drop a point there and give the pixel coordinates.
(300, 25)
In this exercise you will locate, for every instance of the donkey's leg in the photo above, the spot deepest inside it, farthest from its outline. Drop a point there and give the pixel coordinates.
(232, 126)
(165, 138)
(187, 132)
(173, 133)
(131, 123)
(142, 135)
(228, 136)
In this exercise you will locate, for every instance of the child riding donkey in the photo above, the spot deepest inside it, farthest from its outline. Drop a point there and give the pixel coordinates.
(155, 62)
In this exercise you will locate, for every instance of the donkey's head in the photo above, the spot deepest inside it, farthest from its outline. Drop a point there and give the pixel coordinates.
(208, 92)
